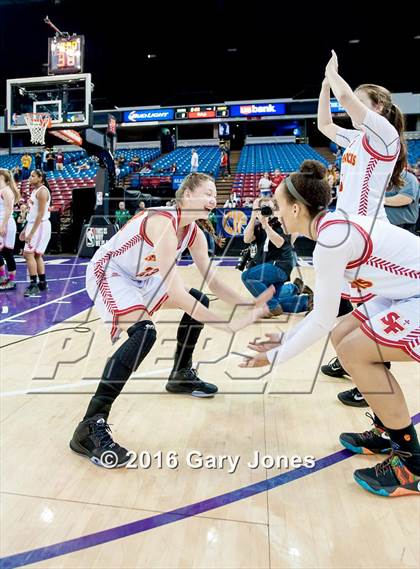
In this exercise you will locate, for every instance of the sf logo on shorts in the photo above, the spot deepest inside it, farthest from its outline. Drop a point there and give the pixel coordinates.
(390, 320)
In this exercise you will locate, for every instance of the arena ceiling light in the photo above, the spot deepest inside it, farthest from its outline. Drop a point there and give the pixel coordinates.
(151, 56)
(354, 41)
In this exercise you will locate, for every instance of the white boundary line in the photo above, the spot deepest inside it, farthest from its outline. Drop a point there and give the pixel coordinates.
(41, 306)
(70, 385)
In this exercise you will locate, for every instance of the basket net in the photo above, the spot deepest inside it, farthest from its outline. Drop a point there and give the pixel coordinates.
(37, 124)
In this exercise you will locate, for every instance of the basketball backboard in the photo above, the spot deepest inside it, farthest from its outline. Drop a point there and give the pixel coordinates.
(67, 98)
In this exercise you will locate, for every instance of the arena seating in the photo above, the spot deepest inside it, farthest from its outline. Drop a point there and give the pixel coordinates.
(256, 159)
(62, 182)
(208, 157)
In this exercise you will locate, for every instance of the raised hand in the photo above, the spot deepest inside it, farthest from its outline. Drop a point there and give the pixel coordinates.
(332, 65)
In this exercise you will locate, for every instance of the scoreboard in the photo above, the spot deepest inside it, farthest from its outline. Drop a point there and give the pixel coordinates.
(65, 55)
(202, 112)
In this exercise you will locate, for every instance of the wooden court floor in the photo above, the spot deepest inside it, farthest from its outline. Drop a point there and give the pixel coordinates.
(59, 510)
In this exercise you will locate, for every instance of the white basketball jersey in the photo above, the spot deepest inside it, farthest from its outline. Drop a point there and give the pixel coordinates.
(33, 204)
(366, 172)
(390, 264)
(130, 251)
(2, 207)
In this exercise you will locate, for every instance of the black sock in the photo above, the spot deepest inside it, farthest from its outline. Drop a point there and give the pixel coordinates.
(32, 279)
(41, 278)
(188, 333)
(141, 337)
(378, 422)
(406, 440)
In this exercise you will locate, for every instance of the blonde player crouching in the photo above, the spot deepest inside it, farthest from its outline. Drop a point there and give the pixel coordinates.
(374, 256)
(132, 276)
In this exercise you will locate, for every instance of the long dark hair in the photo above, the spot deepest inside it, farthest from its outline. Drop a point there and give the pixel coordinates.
(381, 96)
(206, 225)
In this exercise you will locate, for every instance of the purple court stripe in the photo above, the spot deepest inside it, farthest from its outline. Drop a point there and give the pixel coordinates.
(112, 534)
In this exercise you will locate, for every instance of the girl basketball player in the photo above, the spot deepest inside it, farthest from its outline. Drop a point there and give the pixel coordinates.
(132, 276)
(375, 154)
(374, 157)
(9, 195)
(37, 232)
(386, 260)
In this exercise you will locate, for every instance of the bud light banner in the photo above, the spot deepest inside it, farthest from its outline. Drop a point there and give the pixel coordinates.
(232, 222)
(145, 115)
(257, 110)
(177, 181)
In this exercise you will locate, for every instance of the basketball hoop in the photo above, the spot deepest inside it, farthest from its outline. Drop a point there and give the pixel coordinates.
(37, 124)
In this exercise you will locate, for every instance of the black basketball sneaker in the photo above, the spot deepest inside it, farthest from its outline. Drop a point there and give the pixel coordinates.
(375, 441)
(32, 290)
(187, 381)
(353, 398)
(43, 285)
(390, 478)
(334, 369)
(92, 439)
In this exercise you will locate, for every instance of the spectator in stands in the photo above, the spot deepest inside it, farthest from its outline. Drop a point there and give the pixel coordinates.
(135, 164)
(83, 166)
(44, 159)
(17, 174)
(59, 160)
(271, 262)
(146, 169)
(223, 164)
(226, 148)
(50, 161)
(247, 202)
(117, 169)
(265, 185)
(174, 168)
(141, 207)
(232, 201)
(121, 215)
(277, 178)
(38, 161)
(402, 204)
(194, 160)
(26, 162)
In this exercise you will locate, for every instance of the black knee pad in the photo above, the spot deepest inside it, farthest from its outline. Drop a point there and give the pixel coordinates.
(200, 296)
(141, 337)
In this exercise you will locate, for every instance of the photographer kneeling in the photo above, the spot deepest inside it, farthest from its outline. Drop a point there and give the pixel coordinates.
(271, 261)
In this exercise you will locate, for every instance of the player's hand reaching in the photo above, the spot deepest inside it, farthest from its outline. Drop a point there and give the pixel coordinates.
(332, 65)
(256, 310)
(260, 360)
(272, 341)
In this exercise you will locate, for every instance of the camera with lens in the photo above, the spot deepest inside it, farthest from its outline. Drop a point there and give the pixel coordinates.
(244, 257)
(266, 211)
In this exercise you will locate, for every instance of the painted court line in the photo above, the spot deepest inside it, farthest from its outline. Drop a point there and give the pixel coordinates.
(41, 305)
(159, 520)
(78, 384)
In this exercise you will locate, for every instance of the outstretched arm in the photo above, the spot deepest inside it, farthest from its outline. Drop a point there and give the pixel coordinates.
(325, 122)
(161, 232)
(343, 92)
(222, 290)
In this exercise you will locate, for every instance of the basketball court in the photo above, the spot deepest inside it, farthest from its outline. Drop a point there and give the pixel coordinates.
(252, 478)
